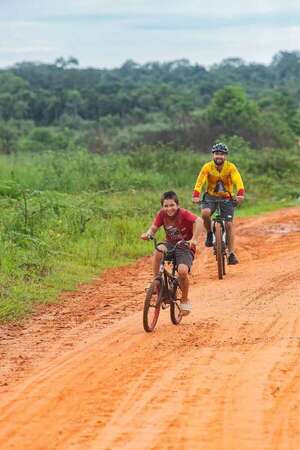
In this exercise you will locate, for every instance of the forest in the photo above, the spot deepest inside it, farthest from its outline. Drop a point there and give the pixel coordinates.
(61, 106)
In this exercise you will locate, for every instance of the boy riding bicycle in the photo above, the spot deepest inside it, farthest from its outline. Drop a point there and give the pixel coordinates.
(220, 176)
(180, 225)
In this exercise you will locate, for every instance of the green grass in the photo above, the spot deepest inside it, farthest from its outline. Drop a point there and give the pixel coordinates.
(66, 218)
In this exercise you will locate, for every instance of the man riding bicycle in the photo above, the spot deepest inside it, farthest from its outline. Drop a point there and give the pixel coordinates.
(180, 225)
(220, 176)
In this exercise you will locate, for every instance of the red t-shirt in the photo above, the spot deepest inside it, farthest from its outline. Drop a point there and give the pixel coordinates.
(178, 227)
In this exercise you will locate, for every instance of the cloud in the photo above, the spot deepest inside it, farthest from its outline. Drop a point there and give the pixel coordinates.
(105, 33)
(35, 49)
(200, 8)
(160, 8)
(195, 23)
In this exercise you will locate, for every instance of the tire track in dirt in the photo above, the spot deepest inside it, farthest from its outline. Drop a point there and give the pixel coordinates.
(226, 378)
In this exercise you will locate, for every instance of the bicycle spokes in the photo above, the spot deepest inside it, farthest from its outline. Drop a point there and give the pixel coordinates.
(219, 248)
(152, 305)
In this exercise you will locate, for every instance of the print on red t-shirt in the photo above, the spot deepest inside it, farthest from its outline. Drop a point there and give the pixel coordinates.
(178, 227)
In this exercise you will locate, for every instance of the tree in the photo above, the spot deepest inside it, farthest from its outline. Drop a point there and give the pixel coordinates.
(231, 109)
(286, 66)
(66, 63)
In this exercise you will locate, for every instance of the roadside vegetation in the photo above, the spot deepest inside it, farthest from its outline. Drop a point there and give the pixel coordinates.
(65, 217)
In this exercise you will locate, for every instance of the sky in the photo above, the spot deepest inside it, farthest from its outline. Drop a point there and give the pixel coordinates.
(106, 33)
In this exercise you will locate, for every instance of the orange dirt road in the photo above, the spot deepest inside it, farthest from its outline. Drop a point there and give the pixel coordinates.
(84, 374)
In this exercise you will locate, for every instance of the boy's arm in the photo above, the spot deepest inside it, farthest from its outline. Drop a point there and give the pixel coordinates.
(158, 222)
(150, 232)
(202, 177)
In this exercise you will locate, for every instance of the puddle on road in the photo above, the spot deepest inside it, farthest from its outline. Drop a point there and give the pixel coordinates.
(281, 228)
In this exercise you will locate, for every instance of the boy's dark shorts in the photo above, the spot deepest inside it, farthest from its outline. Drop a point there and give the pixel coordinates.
(183, 254)
(227, 209)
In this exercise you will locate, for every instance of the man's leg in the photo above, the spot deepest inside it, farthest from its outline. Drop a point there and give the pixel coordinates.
(230, 236)
(227, 211)
(232, 259)
(206, 216)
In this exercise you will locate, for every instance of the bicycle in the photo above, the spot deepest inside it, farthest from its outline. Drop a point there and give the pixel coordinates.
(164, 291)
(220, 241)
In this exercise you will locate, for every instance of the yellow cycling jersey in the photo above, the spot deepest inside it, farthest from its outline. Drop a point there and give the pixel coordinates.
(219, 183)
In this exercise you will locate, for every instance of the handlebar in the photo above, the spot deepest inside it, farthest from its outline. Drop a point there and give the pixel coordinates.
(156, 244)
(221, 200)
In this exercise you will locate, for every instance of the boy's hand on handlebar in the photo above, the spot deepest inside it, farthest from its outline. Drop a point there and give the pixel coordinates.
(193, 243)
(146, 236)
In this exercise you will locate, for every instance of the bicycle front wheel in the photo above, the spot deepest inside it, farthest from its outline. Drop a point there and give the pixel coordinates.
(219, 250)
(224, 263)
(175, 313)
(152, 305)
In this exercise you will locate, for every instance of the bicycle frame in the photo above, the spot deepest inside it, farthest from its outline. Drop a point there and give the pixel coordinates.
(217, 217)
(168, 279)
(163, 290)
(220, 235)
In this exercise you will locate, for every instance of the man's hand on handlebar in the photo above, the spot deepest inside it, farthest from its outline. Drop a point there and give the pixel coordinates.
(239, 199)
(196, 199)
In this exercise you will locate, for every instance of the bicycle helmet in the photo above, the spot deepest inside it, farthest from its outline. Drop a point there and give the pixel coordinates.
(222, 148)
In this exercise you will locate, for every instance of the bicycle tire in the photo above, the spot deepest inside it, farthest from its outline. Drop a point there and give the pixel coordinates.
(175, 313)
(219, 250)
(152, 301)
(225, 253)
(224, 263)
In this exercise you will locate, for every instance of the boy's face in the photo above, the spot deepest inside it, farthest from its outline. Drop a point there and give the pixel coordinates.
(170, 206)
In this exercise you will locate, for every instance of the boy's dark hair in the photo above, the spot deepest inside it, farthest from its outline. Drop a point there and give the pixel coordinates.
(169, 195)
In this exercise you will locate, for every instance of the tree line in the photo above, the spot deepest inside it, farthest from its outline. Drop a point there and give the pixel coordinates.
(62, 106)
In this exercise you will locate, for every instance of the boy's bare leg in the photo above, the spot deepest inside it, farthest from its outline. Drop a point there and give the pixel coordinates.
(183, 273)
(157, 259)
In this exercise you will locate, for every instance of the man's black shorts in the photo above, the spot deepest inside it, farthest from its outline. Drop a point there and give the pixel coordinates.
(227, 209)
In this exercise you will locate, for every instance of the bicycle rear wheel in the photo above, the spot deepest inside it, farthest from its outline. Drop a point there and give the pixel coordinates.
(175, 313)
(219, 250)
(152, 305)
